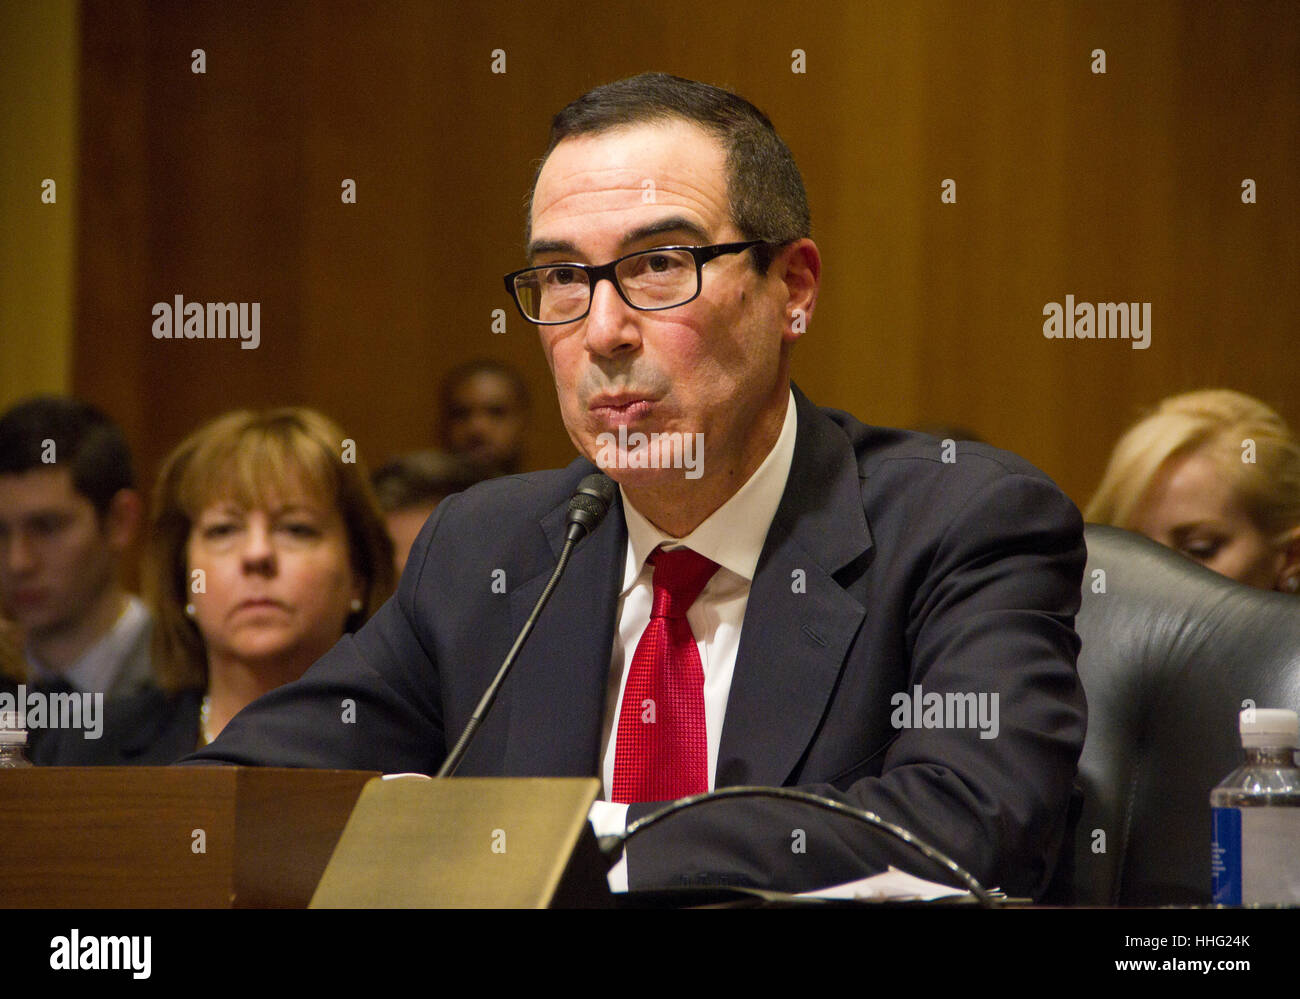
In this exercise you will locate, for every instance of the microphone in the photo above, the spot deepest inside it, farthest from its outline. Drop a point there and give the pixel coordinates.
(588, 505)
(587, 508)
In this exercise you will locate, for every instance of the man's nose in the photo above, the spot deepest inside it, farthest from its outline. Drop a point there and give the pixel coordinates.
(612, 326)
(19, 554)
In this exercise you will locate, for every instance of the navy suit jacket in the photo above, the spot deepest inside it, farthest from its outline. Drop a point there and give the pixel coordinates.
(886, 568)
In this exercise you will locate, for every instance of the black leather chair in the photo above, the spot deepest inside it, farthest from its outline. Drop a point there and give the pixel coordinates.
(1171, 651)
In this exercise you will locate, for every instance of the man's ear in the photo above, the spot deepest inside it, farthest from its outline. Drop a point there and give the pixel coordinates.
(1288, 576)
(122, 520)
(799, 267)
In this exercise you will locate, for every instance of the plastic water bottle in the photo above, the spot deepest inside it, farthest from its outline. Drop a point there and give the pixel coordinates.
(1255, 852)
(13, 749)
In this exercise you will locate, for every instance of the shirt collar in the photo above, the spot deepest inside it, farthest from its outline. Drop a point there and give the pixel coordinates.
(100, 665)
(733, 534)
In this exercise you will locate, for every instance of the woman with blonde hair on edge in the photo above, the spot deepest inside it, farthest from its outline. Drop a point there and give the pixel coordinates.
(265, 549)
(1214, 474)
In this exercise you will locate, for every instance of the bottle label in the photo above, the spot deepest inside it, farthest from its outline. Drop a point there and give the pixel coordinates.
(1225, 856)
(1255, 856)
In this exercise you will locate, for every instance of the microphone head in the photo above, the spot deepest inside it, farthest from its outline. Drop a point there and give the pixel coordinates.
(589, 504)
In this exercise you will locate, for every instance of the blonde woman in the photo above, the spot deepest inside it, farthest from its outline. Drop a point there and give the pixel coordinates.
(265, 548)
(1214, 474)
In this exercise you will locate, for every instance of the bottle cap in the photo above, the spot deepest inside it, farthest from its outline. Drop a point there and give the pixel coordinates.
(1271, 727)
(13, 736)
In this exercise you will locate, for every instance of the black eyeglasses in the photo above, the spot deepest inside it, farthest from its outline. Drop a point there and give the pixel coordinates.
(648, 280)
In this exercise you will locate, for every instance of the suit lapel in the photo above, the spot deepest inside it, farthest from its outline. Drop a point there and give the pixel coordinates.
(556, 692)
(799, 624)
(799, 621)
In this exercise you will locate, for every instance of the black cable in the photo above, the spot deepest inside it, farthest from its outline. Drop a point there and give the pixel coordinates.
(828, 804)
(453, 759)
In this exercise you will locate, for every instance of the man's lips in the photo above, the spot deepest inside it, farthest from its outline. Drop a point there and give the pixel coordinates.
(622, 408)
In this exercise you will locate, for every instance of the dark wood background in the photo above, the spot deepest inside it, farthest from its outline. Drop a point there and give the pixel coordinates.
(1117, 187)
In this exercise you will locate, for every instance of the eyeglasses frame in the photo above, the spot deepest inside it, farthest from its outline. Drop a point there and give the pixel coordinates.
(606, 272)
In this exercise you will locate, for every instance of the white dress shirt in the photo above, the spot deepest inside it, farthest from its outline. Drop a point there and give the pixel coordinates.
(103, 666)
(731, 536)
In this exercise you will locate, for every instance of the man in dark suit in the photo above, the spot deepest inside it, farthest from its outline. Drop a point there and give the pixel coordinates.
(781, 596)
(69, 515)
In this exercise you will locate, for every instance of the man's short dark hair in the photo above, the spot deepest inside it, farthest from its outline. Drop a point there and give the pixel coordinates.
(420, 477)
(765, 190)
(85, 441)
(464, 372)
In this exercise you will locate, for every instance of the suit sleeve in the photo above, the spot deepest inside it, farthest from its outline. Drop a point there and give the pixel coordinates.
(989, 610)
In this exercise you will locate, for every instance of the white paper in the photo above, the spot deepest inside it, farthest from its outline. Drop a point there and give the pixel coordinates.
(892, 885)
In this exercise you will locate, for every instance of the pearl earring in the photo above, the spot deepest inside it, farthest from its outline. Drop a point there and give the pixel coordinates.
(356, 604)
(189, 610)
(1292, 584)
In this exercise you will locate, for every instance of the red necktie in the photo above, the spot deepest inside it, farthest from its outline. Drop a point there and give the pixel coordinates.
(662, 751)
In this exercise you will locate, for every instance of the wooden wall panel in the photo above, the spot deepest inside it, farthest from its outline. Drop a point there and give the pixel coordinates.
(1123, 186)
(38, 141)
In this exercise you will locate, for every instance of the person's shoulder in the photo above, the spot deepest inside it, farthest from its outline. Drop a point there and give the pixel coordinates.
(497, 522)
(891, 451)
(528, 494)
(157, 726)
(917, 489)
